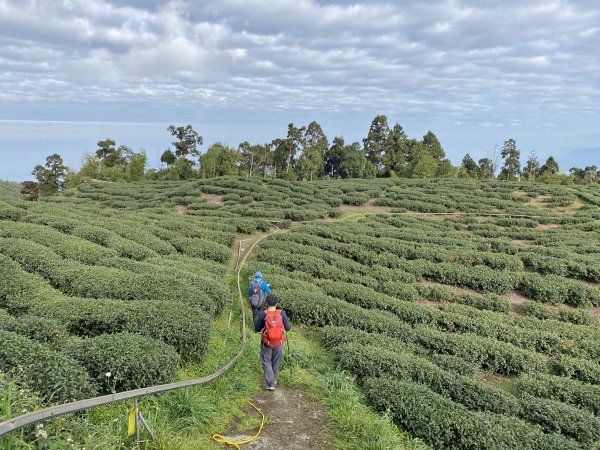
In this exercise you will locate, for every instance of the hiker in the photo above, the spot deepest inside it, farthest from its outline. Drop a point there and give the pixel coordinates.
(256, 294)
(272, 325)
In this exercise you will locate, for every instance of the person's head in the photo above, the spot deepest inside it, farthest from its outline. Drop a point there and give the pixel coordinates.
(258, 274)
(272, 300)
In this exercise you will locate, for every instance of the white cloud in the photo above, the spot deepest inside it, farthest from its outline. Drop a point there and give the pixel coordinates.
(466, 61)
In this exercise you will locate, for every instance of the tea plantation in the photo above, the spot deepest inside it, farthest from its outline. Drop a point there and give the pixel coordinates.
(467, 311)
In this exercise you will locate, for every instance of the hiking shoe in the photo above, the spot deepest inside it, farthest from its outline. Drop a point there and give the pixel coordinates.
(270, 388)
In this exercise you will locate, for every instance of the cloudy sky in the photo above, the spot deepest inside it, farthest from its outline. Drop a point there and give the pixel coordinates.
(475, 72)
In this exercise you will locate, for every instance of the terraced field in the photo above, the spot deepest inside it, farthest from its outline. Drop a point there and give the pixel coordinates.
(467, 311)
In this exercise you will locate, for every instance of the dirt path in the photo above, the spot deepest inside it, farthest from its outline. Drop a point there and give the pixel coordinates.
(293, 422)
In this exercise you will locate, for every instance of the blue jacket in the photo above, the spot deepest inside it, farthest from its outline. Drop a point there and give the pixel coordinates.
(260, 321)
(263, 284)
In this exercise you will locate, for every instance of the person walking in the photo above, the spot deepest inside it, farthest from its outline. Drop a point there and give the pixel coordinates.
(257, 289)
(272, 325)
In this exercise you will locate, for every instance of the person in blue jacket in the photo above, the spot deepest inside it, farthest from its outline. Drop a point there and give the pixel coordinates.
(257, 289)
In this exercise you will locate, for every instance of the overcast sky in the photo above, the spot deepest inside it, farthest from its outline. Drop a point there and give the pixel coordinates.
(474, 72)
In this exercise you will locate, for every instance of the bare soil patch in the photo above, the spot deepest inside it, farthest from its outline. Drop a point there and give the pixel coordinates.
(568, 209)
(523, 241)
(493, 379)
(431, 303)
(293, 422)
(455, 289)
(212, 198)
(181, 209)
(516, 298)
(369, 207)
(548, 226)
(435, 216)
(539, 199)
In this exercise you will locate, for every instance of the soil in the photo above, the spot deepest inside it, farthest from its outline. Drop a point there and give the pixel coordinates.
(293, 422)
(547, 226)
(516, 298)
(523, 241)
(493, 379)
(369, 207)
(431, 303)
(212, 198)
(539, 199)
(456, 289)
(181, 209)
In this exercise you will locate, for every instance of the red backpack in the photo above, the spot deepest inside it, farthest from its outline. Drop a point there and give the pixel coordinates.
(273, 334)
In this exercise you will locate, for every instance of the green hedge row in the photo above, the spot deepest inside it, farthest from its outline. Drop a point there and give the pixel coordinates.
(40, 329)
(572, 392)
(573, 316)
(185, 328)
(333, 336)
(102, 282)
(133, 361)
(556, 289)
(56, 376)
(491, 354)
(367, 361)
(444, 424)
(442, 293)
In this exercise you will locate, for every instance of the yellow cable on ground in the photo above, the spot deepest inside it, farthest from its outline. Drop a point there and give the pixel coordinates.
(221, 439)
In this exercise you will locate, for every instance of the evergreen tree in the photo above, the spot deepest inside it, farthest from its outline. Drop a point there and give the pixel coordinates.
(311, 163)
(394, 158)
(376, 142)
(486, 168)
(51, 176)
(470, 166)
(431, 143)
(550, 167)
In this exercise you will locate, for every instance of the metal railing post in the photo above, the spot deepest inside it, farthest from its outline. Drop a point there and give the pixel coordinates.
(137, 423)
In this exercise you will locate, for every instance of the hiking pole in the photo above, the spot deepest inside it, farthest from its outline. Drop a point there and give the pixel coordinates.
(287, 342)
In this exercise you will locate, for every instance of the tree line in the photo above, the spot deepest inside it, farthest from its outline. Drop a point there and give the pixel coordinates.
(305, 153)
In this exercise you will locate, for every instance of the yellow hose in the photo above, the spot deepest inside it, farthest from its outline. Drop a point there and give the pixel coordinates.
(221, 439)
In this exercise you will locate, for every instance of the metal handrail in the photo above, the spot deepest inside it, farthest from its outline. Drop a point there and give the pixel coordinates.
(18, 422)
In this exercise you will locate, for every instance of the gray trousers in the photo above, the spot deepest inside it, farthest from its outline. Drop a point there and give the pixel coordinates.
(271, 361)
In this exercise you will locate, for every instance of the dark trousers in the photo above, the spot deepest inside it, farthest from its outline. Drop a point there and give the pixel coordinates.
(271, 361)
(255, 312)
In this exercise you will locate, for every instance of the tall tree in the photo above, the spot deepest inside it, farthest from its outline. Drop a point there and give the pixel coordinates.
(590, 174)
(354, 164)
(486, 168)
(532, 167)
(51, 176)
(550, 167)
(431, 143)
(333, 157)
(168, 157)
(394, 154)
(376, 141)
(470, 166)
(511, 170)
(106, 148)
(254, 158)
(311, 163)
(423, 164)
(218, 160)
(285, 150)
(187, 141)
